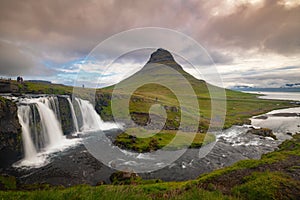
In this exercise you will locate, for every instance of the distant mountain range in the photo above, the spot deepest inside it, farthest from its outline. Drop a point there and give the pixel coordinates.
(295, 87)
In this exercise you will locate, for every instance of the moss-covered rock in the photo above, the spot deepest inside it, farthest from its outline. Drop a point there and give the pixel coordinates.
(10, 133)
(121, 178)
(7, 182)
(65, 115)
(103, 106)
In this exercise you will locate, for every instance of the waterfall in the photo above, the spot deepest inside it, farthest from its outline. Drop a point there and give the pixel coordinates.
(51, 129)
(41, 126)
(41, 129)
(29, 148)
(54, 106)
(91, 119)
(74, 118)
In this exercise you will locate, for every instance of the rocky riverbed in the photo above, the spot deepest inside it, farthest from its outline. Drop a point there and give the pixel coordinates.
(77, 166)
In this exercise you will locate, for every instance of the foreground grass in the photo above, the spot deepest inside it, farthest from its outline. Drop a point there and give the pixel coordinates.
(111, 193)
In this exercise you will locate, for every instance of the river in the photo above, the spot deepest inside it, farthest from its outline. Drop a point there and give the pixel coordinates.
(76, 165)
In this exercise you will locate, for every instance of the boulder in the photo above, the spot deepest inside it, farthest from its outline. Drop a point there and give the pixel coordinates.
(265, 132)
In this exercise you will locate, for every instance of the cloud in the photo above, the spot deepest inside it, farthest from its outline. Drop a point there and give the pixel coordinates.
(271, 27)
(62, 32)
(14, 61)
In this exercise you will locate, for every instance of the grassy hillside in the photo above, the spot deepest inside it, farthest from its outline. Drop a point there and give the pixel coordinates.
(163, 81)
(27, 87)
(180, 102)
(275, 176)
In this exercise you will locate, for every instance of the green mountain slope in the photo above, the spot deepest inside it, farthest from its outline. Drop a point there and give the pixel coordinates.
(162, 68)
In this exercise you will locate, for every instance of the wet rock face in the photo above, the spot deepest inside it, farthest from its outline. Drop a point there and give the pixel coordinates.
(7, 86)
(103, 106)
(65, 115)
(265, 132)
(10, 133)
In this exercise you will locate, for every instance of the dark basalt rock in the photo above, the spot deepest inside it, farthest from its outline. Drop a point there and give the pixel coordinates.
(65, 115)
(11, 149)
(265, 132)
(103, 104)
(162, 56)
(7, 86)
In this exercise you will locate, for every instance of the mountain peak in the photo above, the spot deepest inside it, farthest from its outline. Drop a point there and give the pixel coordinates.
(164, 57)
(161, 55)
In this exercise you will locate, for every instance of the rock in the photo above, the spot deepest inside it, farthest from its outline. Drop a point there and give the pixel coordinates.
(7, 86)
(11, 149)
(265, 132)
(162, 56)
(289, 133)
(172, 108)
(123, 177)
(103, 102)
(65, 115)
(261, 117)
(100, 183)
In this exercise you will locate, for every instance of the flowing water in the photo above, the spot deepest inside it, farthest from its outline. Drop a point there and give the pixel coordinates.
(39, 118)
(74, 118)
(91, 119)
(41, 127)
(29, 148)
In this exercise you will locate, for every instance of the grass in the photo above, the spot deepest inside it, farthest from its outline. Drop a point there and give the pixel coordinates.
(45, 88)
(141, 140)
(266, 185)
(8, 182)
(112, 193)
(274, 176)
(286, 149)
(237, 107)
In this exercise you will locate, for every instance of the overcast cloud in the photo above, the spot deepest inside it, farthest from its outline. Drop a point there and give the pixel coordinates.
(48, 39)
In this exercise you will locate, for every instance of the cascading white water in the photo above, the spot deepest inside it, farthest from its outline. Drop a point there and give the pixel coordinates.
(53, 101)
(51, 128)
(41, 128)
(29, 148)
(74, 118)
(91, 119)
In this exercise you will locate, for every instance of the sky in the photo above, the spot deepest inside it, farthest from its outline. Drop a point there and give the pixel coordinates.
(252, 42)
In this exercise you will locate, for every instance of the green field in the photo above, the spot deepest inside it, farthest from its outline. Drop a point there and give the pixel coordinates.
(140, 141)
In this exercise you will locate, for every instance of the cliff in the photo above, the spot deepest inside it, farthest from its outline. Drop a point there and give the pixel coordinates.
(10, 133)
